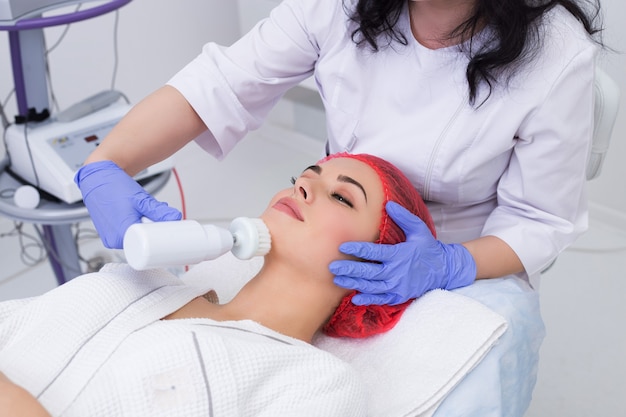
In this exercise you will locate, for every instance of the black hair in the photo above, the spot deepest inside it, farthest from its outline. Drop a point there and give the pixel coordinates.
(515, 25)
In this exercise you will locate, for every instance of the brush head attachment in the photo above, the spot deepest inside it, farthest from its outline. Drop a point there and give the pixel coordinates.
(251, 238)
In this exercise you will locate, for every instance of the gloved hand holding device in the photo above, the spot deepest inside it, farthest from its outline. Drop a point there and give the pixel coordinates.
(405, 270)
(115, 201)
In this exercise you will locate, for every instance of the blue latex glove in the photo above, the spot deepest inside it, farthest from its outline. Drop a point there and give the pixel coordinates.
(115, 201)
(405, 270)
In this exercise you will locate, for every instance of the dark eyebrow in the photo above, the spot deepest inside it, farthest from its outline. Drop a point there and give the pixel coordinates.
(350, 180)
(343, 178)
(315, 168)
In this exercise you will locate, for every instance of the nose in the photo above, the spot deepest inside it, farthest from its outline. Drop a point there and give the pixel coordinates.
(302, 190)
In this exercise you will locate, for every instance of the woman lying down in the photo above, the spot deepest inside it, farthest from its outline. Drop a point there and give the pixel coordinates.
(126, 343)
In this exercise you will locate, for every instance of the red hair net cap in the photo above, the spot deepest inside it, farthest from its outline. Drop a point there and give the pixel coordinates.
(350, 320)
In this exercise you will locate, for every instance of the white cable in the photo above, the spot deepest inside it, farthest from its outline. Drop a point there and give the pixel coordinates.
(115, 49)
(65, 30)
(47, 52)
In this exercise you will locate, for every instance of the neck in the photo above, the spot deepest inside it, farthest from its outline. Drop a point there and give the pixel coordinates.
(434, 22)
(280, 297)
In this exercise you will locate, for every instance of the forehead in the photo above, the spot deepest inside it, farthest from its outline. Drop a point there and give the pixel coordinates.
(358, 170)
(348, 164)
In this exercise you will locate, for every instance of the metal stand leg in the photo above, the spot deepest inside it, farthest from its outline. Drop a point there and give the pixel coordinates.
(62, 252)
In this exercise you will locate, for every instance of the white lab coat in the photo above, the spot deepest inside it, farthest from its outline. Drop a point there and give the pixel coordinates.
(513, 167)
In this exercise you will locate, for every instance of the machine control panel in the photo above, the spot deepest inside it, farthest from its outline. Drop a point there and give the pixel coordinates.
(47, 155)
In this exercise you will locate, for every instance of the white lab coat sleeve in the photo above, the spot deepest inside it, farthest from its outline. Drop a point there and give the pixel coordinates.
(233, 89)
(541, 196)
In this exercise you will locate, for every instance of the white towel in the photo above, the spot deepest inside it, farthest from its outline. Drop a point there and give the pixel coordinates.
(410, 369)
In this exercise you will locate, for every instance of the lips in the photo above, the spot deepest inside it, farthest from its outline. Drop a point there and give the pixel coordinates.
(289, 207)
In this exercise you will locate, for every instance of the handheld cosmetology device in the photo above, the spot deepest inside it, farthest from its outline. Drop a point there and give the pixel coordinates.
(48, 154)
(187, 242)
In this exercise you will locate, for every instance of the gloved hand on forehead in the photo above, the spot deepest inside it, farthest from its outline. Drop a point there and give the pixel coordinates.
(405, 270)
(115, 201)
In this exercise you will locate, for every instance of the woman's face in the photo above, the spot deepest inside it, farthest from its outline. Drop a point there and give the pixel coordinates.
(338, 201)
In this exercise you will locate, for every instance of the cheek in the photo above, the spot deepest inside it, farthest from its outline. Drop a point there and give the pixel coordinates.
(316, 243)
(337, 230)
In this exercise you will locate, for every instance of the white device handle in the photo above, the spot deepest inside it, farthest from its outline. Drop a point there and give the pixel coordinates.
(173, 243)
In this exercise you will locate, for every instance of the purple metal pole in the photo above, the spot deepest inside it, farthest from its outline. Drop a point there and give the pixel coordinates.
(41, 22)
(62, 252)
(56, 266)
(18, 73)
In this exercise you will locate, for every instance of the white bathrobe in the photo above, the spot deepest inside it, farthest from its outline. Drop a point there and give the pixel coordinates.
(96, 347)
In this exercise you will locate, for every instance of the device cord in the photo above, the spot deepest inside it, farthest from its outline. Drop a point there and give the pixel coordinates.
(115, 49)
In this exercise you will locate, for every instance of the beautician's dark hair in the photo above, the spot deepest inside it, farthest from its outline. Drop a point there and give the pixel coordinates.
(515, 24)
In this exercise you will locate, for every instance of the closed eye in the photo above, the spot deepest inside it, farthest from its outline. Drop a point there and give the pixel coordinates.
(342, 199)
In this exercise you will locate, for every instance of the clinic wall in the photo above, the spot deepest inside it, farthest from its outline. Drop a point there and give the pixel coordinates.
(155, 39)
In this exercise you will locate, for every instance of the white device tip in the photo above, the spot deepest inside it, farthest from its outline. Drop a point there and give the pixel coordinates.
(251, 238)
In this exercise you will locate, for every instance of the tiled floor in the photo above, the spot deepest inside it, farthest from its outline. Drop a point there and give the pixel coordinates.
(583, 357)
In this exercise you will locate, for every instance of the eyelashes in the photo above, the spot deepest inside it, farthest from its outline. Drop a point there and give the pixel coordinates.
(293, 180)
(342, 199)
